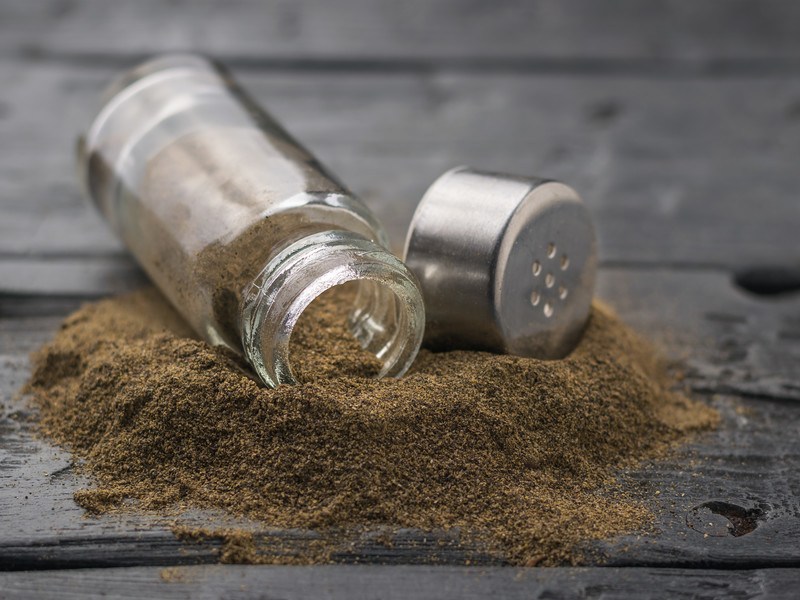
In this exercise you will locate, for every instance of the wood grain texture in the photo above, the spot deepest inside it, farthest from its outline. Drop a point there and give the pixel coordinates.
(679, 123)
(394, 583)
(566, 31)
(733, 343)
(25, 280)
(678, 172)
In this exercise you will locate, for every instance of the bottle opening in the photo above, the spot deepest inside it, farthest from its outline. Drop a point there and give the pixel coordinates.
(388, 316)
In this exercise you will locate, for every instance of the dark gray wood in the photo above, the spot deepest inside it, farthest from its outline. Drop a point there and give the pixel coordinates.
(389, 583)
(740, 344)
(676, 172)
(678, 122)
(564, 32)
(729, 340)
(26, 280)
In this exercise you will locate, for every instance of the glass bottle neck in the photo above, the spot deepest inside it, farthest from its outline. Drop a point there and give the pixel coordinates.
(388, 318)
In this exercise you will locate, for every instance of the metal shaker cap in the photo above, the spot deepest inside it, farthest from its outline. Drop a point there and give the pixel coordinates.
(506, 264)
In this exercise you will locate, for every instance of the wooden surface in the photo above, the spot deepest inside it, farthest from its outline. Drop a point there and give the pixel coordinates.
(401, 582)
(678, 122)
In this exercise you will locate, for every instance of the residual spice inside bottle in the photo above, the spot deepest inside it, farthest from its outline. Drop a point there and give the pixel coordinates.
(235, 222)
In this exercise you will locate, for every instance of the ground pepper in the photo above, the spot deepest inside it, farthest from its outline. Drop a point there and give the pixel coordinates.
(518, 452)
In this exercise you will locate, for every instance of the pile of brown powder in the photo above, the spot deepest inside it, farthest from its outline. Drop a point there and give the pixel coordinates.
(520, 452)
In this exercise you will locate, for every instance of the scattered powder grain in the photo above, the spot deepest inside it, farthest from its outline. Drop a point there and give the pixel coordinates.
(519, 452)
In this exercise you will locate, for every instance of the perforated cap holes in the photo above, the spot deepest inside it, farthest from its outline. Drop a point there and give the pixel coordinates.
(536, 298)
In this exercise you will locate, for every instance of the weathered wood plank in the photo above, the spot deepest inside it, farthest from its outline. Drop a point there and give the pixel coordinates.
(81, 277)
(388, 583)
(730, 341)
(684, 150)
(560, 30)
(694, 172)
(751, 465)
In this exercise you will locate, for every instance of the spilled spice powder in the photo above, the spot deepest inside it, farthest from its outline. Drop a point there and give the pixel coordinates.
(519, 452)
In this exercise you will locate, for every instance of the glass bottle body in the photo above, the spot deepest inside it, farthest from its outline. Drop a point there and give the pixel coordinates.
(235, 222)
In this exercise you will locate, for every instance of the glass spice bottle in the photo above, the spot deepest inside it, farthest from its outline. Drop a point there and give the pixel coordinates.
(236, 223)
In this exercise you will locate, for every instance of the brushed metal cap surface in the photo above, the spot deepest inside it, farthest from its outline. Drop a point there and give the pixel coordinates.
(506, 264)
